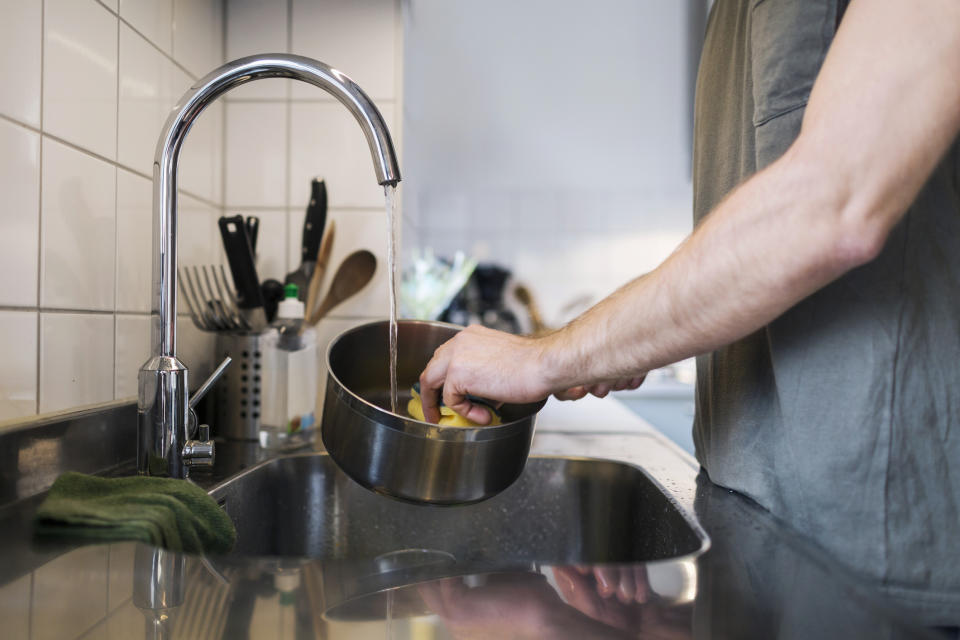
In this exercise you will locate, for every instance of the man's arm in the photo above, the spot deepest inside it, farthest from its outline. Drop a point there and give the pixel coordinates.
(883, 111)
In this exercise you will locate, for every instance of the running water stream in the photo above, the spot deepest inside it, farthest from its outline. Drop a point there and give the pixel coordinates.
(392, 241)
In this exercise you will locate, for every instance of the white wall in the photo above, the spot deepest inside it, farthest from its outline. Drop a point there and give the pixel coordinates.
(281, 133)
(86, 86)
(551, 137)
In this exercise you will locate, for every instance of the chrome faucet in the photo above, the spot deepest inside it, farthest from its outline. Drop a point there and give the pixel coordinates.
(163, 429)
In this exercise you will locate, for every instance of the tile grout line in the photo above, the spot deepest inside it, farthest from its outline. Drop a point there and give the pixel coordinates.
(54, 310)
(288, 156)
(96, 156)
(39, 361)
(224, 16)
(166, 55)
(116, 244)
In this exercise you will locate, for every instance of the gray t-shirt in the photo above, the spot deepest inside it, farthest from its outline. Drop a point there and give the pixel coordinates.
(842, 416)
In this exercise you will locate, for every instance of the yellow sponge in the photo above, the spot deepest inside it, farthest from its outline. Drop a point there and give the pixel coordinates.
(448, 417)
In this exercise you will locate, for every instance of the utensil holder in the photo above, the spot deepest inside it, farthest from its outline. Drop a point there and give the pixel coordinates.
(238, 398)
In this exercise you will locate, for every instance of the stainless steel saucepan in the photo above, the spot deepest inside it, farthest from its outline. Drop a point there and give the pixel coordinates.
(406, 458)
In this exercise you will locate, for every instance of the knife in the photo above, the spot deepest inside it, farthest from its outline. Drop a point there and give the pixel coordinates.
(236, 244)
(313, 225)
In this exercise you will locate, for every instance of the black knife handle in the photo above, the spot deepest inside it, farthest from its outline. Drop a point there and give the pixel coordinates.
(240, 256)
(314, 221)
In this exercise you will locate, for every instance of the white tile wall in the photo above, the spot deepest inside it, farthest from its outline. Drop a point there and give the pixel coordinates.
(269, 165)
(20, 184)
(193, 22)
(18, 376)
(132, 350)
(150, 84)
(262, 151)
(76, 360)
(134, 241)
(80, 74)
(76, 211)
(152, 18)
(257, 26)
(318, 31)
(256, 141)
(20, 60)
(327, 141)
(78, 215)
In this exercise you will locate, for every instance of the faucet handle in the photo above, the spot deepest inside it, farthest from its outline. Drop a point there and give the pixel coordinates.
(209, 382)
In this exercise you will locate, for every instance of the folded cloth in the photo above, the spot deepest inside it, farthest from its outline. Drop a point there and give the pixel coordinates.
(164, 512)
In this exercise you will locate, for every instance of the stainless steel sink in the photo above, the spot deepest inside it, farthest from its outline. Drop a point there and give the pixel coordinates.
(560, 511)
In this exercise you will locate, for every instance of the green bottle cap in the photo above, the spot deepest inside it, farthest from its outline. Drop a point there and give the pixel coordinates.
(291, 291)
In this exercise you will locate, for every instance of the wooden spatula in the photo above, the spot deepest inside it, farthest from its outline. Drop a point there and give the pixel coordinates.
(352, 276)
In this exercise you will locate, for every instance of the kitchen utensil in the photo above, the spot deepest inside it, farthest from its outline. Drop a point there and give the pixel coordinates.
(352, 276)
(538, 327)
(320, 269)
(313, 225)
(402, 457)
(272, 295)
(252, 225)
(237, 397)
(237, 247)
(211, 302)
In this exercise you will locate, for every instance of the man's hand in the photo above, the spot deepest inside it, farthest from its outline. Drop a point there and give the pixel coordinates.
(485, 363)
(501, 367)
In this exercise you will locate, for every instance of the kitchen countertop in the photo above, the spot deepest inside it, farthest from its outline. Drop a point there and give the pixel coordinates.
(757, 579)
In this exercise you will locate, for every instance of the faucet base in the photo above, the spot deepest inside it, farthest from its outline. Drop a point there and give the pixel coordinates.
(162, 418)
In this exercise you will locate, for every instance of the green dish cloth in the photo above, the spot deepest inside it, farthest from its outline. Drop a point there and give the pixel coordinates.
(164, 512)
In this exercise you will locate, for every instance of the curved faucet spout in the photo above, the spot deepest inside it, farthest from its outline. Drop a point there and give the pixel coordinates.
(190, 106)
(163, 379)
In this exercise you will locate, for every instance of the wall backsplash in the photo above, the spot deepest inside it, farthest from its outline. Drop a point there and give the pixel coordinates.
(86, 88)
(280, 134)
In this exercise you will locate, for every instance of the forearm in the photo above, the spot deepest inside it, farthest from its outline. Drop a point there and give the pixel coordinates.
(770, 243)
(883, 110)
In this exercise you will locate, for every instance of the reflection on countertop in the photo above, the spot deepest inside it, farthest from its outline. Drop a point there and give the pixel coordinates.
(756, 580)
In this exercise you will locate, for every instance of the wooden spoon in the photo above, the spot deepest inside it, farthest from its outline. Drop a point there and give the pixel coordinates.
(353, 275)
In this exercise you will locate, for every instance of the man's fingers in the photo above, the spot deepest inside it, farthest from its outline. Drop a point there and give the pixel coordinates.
(470, 411)
(431, 383)
(600, 390)
(608, 579)
(574, 393)
(642, 583)
(627, 589)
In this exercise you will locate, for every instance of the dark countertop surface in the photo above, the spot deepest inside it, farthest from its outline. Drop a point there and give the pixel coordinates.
(756, 580)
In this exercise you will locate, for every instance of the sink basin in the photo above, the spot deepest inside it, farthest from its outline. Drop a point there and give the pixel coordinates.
(560, 511)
